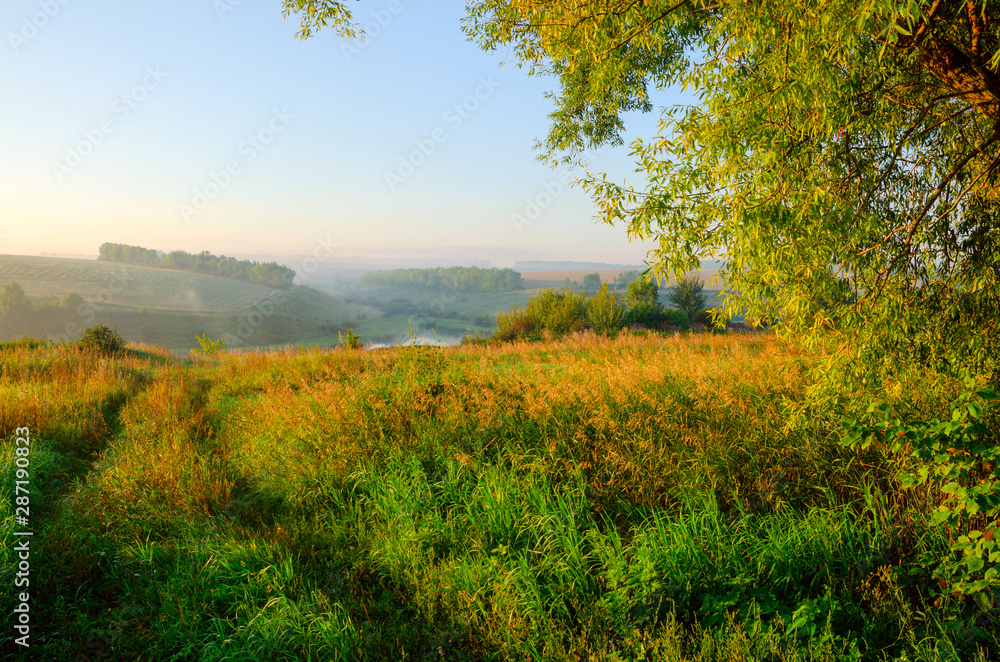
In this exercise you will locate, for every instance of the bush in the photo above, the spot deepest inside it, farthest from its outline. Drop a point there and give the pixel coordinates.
(103, 339)
(687, 295)
(350, 341)
(557, 311)
(515, 325)
(642, 297)
(676, 318)
(475, 340)
(606, 312)
(210, 347)
(644, 313)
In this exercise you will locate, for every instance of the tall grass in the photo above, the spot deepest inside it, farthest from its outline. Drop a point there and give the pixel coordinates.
(636, 498)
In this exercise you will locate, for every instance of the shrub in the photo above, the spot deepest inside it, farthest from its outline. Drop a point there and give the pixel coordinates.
(606, 312)
(103, 339)
(350, 341)
(687, 295)
(71, 302)
(514, 325)
(642, 298)
(676, 318)
(210, 347)
(557, 311)
(476, 339)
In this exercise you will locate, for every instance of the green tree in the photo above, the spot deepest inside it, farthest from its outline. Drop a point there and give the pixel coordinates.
(642, 292)
(841, 156)
(688, 297)
(591, 282)
(559, 312)
(642, 297)
(605, 312)
(102, 339)
(71, 302)
(14, 309)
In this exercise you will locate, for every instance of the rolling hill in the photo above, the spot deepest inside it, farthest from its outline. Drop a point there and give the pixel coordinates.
(129, 285)
(169, 308)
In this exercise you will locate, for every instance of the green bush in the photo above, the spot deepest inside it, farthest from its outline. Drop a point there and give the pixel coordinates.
(605, 312)
(687, 295)
(960, 456)
(103, 339)
(210, 347)
(556, 311)
(676, 318)
(350, 341)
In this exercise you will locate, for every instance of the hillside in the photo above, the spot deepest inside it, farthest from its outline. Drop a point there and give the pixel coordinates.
(129, 285)
(639, 498)
(169, 308)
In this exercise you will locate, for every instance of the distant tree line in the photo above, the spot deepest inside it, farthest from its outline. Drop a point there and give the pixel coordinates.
(468, 279)
(265, 273)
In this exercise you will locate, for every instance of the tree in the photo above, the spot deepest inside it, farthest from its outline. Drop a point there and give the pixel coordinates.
(642, 296)
(842, 157)
(605, 312)
(687, 297)
(14, 308)
(591, 282)
(642, 292)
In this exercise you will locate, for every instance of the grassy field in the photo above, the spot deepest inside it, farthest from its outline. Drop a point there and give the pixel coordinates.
(639, 498)
(129, 285)
(169, 308)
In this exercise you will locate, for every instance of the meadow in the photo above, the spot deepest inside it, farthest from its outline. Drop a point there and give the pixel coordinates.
(647, 497)
(169, 308)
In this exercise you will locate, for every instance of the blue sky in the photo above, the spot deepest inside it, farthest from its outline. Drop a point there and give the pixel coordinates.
(206, 125)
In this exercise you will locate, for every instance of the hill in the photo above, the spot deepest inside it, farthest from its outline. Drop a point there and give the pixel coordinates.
(169, 308)
(129, 285)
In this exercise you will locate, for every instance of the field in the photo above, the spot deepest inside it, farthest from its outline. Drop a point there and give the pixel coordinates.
(129, 285)
(169, 308)
(648, 497)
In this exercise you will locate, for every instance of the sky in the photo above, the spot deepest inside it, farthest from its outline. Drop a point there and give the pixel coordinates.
(207, 125)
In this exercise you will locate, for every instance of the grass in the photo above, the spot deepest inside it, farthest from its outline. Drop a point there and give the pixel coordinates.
(169, 308)
(638, 498)
(129, 285)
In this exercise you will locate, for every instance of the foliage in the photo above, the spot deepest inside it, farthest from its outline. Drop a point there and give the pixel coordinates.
(688, 297)
(350, 341)
(642, 297)
(605, 312)
(514, 325)
(267, 273)
(677, 318)
(624, 278)
(841, 157)
(963, 462)
(559, 312)
(209, 347)
(468, 279)
(14, 308)
(642, 293)
(71, 302)
(591, 282)
(102, 339)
